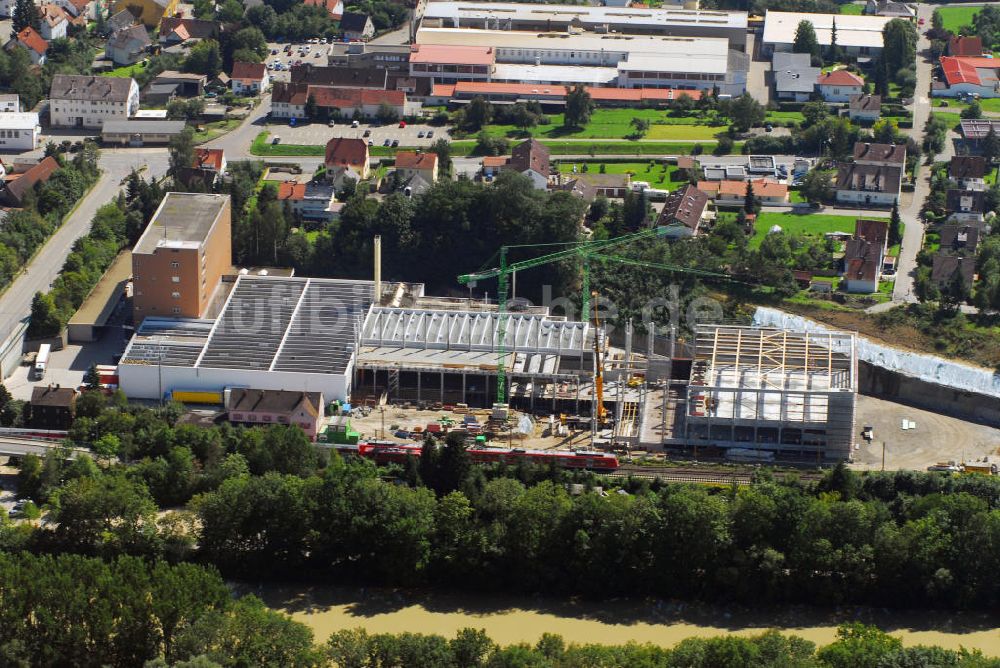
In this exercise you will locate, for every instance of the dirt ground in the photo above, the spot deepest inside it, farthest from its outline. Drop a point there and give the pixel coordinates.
(936, 438)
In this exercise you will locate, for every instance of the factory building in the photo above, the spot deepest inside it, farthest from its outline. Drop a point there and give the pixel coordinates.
(772, 390)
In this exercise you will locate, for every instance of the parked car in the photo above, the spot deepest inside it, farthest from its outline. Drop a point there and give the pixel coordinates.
(275, 140)
(371, 143)
(387, 142)
(430, 134)
(366, 133)
(768, 127)
(395, 143)
(420, 135)
(402, 124)
(354, 123)
(331, 123)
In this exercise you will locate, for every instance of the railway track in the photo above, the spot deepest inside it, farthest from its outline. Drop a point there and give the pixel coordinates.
(695, 475)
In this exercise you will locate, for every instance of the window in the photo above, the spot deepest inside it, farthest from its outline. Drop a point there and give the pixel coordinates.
(175, 309)
(175, 279)
(174, 265)
(175, 295)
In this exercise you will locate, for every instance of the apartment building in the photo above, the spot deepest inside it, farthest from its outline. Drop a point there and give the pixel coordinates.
(78, 101)
(180, 258)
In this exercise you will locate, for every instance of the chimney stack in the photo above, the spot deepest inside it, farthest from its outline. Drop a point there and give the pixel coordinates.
(378, 270)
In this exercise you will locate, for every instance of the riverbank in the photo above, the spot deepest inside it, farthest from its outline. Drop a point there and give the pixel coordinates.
(510, 620)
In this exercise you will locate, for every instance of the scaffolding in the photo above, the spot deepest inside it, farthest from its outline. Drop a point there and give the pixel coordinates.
(773, 389)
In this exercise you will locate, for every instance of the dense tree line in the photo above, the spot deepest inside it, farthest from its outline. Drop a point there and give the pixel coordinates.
(64, 56)
(81, 611)
(265, 502)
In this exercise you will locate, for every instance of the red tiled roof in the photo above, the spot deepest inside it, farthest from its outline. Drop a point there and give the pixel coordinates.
(39, 173)
(414, 160)
(965, 46)
(332, 96)
(465, 55)
(840, 78)
(208, 158)
(292, 191)
(873, 231)
(959, 70)
(343, 151)
(495, 160)
(248, 71)
(597, 93)
(761, 188)
(334, 7)
(31, 39)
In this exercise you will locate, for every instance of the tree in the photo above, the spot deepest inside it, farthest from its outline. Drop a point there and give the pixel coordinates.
(204, 58)
(899, 38)
(310, 106)
(885, 130)
(91, 378)
(181, 149)
(973, 111)
(641, 126)
(814, 112)
(747, 112)
(478, 113)
(833, 53)
(991, 145)
(107, 446)
(579, 107)
(45, 318)
(386, 114)
(442, 148)
(895, 226)
(805, 40)
(26, 15)
(750, 203)
(230, 11)
(817, 186)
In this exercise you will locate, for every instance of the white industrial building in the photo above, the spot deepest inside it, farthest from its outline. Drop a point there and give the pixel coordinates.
(859, 36)
(19, 131)
(633, 61)
(665, 21)
(273, 333)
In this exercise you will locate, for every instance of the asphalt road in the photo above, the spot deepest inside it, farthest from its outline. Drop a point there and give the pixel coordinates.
(15, 303)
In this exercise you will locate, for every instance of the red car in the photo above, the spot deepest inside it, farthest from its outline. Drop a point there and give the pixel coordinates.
(402, 124)
(920, 22)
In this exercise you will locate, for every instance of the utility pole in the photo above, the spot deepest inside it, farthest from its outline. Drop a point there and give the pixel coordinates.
(883, 455)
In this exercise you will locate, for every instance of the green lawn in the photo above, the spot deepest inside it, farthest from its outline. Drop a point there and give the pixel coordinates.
(657, 176)
(216, 129)
(949, 117)
(262, 146)
(852, 8)
(795, 197)
(991, 177)
(811, 224)
(954, 18)
(126, 70)
(987, 103)
(616, 124)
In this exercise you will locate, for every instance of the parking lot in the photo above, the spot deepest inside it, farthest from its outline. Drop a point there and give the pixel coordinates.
(304, 53)
(378, 135)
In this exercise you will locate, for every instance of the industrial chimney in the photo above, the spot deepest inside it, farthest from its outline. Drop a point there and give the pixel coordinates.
(378, 270)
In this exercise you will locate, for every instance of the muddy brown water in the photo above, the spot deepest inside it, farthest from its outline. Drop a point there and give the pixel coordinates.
(507, 620)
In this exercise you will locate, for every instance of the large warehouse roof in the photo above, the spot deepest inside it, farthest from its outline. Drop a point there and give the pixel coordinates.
(268, 323)
(780, 27)
(616, 16)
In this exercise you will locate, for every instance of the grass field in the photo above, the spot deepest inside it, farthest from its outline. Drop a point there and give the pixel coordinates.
(216, 129)
(785, 116)
(987, 103)
(616, 124)
(809, 224)
(950, 117)
(126, 70)
(954, 18)
(262, 146)
(641, 171)
(852, 8)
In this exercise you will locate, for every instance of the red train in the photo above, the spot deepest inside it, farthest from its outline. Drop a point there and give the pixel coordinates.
(384, 452)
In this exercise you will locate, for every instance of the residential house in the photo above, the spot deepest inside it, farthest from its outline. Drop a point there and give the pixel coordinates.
(7, 8)
(53, 23)
(682, 212)
(578, 188)
(608, 185)
(120, 21)
(794, 76)
(128, 46)
(865, 108)
(335, 8)
(492, 164)
(969, 171)
(17, 186)
(899, 10)
(962, 240)
(839, 85)
(79, 101)
(52, 407)
(945, 267)
(311, 202)
(346, 157)
(85, 9)
(966, 46)
(864, 256)
(288, 100)
(411, 163)
(249, 79)
(965, 206)
(207, 167)
(531, 158)
(170, 84)
(283, 407)
(874, 177)
(9, 102)
(29, 40)
(177, 30)
(19, 131)
(733, 193)
(149, 12)
(968, 75)
(357, 26)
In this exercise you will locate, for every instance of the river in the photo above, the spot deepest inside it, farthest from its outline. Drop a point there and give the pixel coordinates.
(509, 619)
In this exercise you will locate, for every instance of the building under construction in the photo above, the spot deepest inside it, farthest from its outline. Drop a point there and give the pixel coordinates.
(772, 390)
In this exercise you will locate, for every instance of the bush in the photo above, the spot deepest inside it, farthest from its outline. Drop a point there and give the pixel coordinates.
(724, 147)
